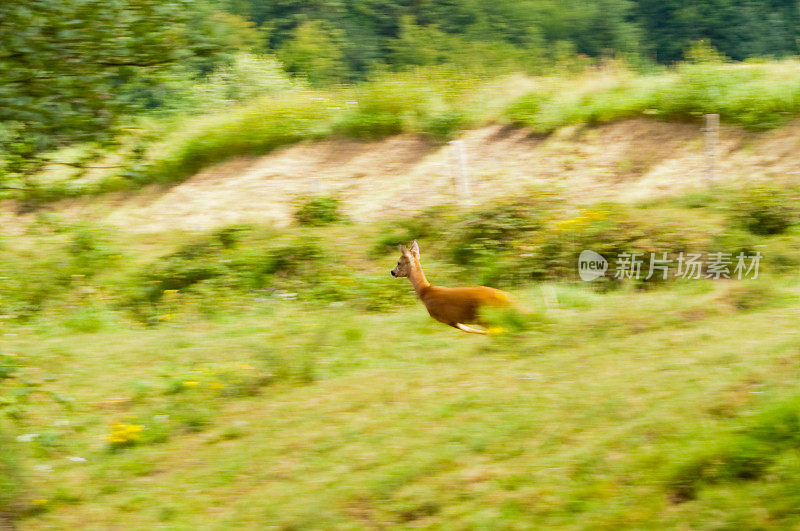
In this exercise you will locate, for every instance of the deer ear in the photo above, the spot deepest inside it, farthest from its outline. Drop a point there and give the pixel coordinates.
(415, 248)
(402, 249)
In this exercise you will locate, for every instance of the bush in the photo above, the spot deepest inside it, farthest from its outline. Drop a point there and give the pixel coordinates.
(433, 222)
(65, 255)
(445, 125)
(318, 211)
(427, 101)
(749, 295)
(224, 262)
(532, 239)
(247, 77)
(253, 129)
(765, 209)
(190, 264)
(755, 96)
(744, 454)
(483, 234)
(379, 293)
(369, 124)
(90, 251)
(87, 319)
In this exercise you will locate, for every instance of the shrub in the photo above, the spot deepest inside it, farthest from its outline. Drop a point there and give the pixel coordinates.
(248, 76)
(301, 257)
(426, 101)
(749, 295)
(482, 234)
(318, 211)
(532, 239)
(755, 96)
(444, 125)
(744, 454)
(253, 129)
(90, 251)
(369, 123)
(289, 263)
(190, 264)
(737, 457)
(87, 319)
(64, 256)
(765, 209)
(735, 240)
(379, 293)
(432, 222)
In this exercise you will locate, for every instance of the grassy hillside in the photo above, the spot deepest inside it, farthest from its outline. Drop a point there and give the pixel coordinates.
(437, 103)
(252, 376)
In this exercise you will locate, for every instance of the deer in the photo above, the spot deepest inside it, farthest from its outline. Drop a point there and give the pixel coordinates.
(456, 307)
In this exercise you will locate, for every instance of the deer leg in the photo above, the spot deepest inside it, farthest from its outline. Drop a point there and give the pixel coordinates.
(469, 329)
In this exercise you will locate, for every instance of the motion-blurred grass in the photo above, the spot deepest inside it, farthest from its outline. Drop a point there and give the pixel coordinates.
(254, 375)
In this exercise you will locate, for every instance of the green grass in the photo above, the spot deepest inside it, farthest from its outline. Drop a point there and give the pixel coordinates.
(393, 419)
(438, 103)
(285, 379)
(757, 96)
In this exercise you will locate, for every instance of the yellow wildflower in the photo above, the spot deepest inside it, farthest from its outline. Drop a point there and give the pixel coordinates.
(124, 433)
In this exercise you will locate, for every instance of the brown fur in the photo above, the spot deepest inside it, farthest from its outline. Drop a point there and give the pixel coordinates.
(456, 307)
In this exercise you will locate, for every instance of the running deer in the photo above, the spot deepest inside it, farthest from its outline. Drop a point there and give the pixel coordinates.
(456, 307)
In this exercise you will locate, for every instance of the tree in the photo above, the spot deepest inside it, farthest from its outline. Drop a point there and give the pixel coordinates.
(65, 66)
(314, 53)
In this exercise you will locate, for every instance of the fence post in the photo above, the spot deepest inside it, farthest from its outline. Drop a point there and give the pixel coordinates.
(459, 171)
(712, 142)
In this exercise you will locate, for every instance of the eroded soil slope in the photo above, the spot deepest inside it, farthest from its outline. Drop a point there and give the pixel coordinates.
(626, 161)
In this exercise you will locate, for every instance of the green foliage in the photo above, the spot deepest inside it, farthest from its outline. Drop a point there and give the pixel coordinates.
(219, 263)
(755, 96)
(427, 224)
(87, 319)
(378, 293)
(483, 234)
(69, 69)
(62, 86)
(11, 486)
(385, 106)
(428, 101)
(427, 45)
(765, 208)
(744, 454)
(255, 129)
(596, 101)
(318, 211)
(72, 254)
(445, 125)
(750, 295)
(536, 238)
(511, 34)
(630, 370)
(738, 29)
(370, 123)
(248, 76)
(312, 51)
